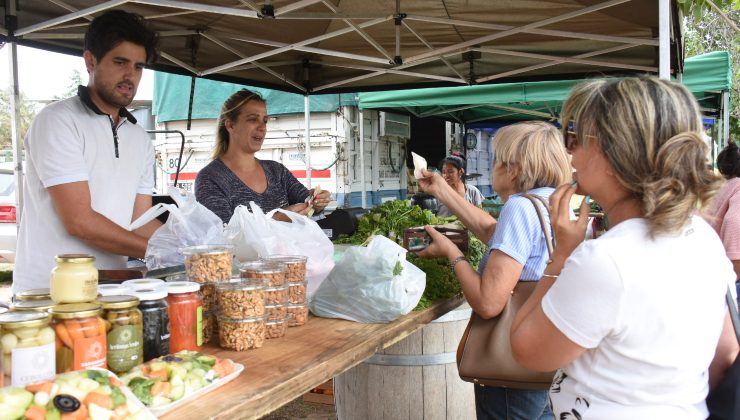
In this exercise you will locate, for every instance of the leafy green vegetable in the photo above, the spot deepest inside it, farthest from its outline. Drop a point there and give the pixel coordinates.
(398, 268)
(141, 387)
(117, 397)
(390, 219)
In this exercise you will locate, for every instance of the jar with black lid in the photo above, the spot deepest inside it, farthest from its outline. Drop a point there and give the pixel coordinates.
(153, 306)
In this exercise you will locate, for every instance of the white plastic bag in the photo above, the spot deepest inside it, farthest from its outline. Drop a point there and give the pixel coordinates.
(257, 235)
(419, 164)
(189, 223)
(373, 284)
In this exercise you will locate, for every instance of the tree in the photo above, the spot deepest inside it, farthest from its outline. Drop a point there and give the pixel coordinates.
(712, 26)
(75, 79)
(26, 113)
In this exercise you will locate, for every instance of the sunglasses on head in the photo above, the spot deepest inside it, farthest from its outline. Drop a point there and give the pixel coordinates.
(570, 139)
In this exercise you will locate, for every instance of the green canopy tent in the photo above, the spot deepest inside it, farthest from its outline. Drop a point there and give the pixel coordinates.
(708, 76)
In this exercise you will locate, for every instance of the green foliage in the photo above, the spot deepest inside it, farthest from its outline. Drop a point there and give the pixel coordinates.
(390, 219)
(26, 113)
(75, 79)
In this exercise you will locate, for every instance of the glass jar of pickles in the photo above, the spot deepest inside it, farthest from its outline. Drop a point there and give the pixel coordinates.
(34, 305)
(32, 294)
(125, 332)
(153, 307)
(74, 279)
(27, 343)
(81, 336)
(186, 316)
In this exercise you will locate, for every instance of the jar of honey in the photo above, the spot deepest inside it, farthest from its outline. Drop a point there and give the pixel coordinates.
(74, 279)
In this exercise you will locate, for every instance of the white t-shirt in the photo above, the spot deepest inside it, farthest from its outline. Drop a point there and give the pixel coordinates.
(650, 313)
(69, 142)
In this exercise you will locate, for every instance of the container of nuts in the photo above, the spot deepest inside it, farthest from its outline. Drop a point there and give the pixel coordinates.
(209, 326)
(241, 334)
(204, 263)
(276, 295)
(297, 314)
(276, 328)
(278, 311)
(297, 292)
(274, 272)
(244, 298)
(296, 266)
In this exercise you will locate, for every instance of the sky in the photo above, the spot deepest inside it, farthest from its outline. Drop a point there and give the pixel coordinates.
(44, 74)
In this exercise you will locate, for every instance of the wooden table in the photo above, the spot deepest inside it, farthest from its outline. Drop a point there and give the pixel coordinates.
(288, 367)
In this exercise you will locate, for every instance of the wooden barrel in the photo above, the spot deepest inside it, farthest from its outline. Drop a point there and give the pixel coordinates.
(415, 378)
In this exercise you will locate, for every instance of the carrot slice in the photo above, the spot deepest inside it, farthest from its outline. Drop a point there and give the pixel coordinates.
(63, 334)
(35, 412)
(74, 328)
(102, 329)
(161, 374)
(114, 381)
(101, 400)
(91, 327)
(80, 414)
(161, 388)
(40, 386)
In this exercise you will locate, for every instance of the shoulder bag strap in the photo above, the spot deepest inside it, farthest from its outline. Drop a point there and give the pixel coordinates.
(545, 230)
(731, 306)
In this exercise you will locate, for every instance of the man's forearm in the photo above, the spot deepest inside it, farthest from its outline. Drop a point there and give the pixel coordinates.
(100, 232)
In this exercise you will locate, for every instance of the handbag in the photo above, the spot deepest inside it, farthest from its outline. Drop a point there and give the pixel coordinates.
(484, 353)
(724, 400)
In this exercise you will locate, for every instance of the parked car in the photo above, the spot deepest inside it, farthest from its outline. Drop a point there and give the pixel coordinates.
(8, 228)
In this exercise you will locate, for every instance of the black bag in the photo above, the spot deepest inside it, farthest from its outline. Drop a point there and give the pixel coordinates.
(724, 401)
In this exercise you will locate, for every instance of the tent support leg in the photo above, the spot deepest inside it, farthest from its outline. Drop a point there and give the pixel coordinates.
(725, 119)
(307, 136)
(14, 97)
(664, 31)
(361, 124)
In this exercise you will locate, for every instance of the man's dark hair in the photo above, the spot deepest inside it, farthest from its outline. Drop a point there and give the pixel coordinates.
(115, 26)
(728, 161)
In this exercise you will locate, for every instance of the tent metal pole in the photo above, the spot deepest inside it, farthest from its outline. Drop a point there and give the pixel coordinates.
(307, 136)
(15, 139)
(725, 118)
(664, 32)
(361, 124)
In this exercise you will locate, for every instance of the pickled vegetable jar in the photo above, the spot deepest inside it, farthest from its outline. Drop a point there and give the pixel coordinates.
(32, 294)
(153, 306)
(74, 279)
(186, 316)
(27, 342)
(125, 332)
(81, 336)
(34, 305)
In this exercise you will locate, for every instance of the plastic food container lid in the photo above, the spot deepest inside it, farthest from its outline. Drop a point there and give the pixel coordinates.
(287, 259)
(33, 294)
(277, 321)
(275, 306)
(207, 249)
(242, 284)
(113, 289)
(140, 284)
(263, 267)
(76, 310)
(118, 301)
(242, 320)
(297, 306)
(23, 319)
(175, 287)
(150, 294)
(33, 305)
(277, 288)
(303, 283)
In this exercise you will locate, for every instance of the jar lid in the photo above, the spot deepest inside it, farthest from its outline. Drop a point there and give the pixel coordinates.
(33, 294)
(150, 294)
(277, 321)
(275, 306)
(276, 288)
(242, 284)
(263, 267)
(175, 287)
(22, 319)
(33, 305)
(76, 310)
(118, 301)
(75, 258)
(207, 249)
(287, 259)
(113, 289)
(144, 283)
(297, 306)
(241, 320)
(303, 283)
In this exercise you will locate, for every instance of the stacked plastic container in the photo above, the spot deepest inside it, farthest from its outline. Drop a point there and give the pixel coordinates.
(272, 275)
(295, 281)
(241, 314)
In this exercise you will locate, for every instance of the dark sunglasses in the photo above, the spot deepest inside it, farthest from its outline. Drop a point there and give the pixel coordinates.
(570, 139)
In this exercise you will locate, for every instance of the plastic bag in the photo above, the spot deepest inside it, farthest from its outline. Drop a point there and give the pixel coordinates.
(189, 223)
(257, 235)
(373, 284)
(419, 164)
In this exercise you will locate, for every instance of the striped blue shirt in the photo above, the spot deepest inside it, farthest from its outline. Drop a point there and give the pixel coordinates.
(519, 234)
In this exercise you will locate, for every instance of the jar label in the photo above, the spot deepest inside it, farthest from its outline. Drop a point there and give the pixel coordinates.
(33, 364)
(199, 326)
(125, 348)
(89, 352)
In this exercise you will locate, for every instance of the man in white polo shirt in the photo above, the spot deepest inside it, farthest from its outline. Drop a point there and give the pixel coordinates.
(89, 166)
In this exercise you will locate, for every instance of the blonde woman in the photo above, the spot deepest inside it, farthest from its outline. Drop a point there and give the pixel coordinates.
(236, 176)
(529, 158)
(633, 318)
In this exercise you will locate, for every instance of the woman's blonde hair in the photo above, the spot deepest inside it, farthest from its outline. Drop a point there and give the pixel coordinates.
(230, 111)
(651, 133)
(536, 152)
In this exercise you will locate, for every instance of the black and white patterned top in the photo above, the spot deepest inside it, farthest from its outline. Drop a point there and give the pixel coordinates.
(220, 190)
